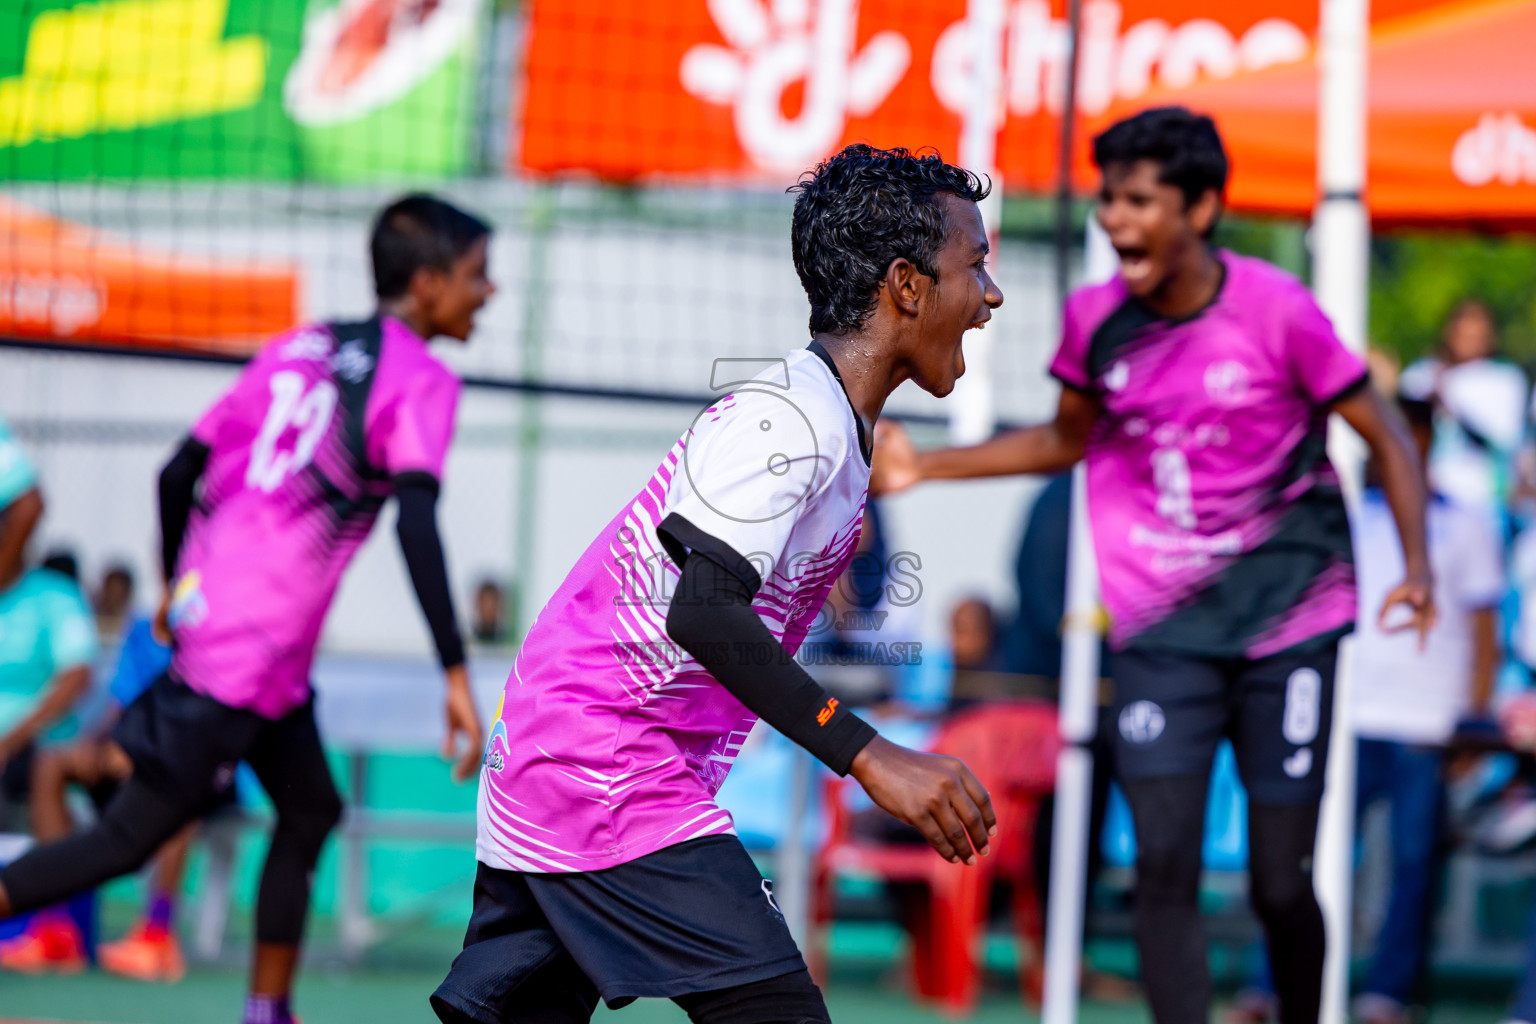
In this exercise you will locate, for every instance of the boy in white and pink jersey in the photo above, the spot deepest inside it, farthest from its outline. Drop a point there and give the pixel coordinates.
(607, 869)
(1197, 387)
(295, 461)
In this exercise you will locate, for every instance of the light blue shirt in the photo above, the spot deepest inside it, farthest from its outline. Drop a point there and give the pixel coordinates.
(45, 628)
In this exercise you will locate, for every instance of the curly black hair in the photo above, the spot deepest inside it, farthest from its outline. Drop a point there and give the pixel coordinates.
(858, 211)
(1186, 147)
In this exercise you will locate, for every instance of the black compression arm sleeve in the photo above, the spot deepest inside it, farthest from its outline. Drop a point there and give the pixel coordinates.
(423, 550)
(178, 485)
(711, 618)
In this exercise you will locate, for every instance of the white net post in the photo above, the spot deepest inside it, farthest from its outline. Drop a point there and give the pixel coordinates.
(1080, 638)
(1340, 273)
(1070, 832)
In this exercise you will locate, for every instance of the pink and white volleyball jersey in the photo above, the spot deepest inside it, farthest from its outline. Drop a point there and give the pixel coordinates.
(611, 742)
(301, 454)
(1218, 520)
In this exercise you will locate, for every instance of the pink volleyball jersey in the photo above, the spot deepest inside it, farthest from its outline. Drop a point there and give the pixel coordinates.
(610, 741)
(1218, 521)
(301, 453)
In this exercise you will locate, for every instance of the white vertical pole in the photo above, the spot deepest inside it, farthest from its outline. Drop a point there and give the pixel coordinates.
(1080, 637)
(972, 411)
(792, 868)
(1340, 272)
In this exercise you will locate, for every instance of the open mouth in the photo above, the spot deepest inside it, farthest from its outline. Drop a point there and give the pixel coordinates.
(1135, 264)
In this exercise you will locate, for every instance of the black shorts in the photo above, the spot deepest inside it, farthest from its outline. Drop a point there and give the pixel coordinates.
(185, 746)
(695, 917)
(1171, 710)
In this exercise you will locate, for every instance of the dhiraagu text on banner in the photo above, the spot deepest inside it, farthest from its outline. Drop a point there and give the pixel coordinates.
(245, 89)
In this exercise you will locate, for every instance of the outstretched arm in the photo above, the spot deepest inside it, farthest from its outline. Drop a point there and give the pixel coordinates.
(1403, 481)
(17, 521)
(423, 550)
(711, 617)
(65, 691)
(1043, 448)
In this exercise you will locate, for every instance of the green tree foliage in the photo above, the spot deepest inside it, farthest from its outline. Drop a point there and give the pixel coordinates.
(1416, 278)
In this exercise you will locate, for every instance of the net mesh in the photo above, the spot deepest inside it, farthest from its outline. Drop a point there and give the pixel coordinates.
(196, 175)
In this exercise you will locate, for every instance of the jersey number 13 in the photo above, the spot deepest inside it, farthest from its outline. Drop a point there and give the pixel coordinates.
(308, 412)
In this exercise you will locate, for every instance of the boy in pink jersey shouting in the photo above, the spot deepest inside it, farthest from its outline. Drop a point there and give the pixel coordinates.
(1197, 386)
(606, 867)
(295, 462)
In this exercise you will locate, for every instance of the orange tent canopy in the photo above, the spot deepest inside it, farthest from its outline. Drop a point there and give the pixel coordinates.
(1452, 133)
(60, 281)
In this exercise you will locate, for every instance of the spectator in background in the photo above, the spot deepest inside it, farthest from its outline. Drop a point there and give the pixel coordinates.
(973, 644)
(1408, 701)
(113, 601)
(490, 622)
(973, 636)
(47, 644)
(1480, 410)
(52, 942)
(47, 639)
(63, 562)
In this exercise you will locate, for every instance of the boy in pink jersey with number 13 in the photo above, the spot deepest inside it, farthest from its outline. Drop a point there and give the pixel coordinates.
(295, 462)
(1197, 386)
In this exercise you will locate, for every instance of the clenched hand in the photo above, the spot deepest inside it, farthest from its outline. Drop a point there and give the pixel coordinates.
(934, 793)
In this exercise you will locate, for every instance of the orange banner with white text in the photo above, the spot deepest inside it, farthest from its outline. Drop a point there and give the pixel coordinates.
(63, 283)
(759, 90)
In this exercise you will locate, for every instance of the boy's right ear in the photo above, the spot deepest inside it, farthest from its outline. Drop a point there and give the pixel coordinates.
(1206, 212)
(903, 284)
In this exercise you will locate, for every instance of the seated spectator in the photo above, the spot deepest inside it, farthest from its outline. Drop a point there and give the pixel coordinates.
(113, 601)
(52, 941)
(490, 622)
(978, 660)
(47, 641)
(47, 644)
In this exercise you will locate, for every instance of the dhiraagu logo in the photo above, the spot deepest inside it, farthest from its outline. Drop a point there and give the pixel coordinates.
(496, 755)
(125, 64)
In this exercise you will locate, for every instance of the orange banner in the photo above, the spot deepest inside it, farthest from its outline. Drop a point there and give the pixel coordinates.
(1452, 133)
(61, 282)
(763, 88)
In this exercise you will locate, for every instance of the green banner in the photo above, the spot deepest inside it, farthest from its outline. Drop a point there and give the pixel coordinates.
(250, 89)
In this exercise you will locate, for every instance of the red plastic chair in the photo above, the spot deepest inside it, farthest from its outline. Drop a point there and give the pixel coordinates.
(1012, 749)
